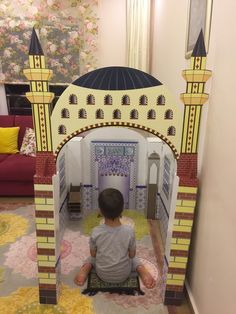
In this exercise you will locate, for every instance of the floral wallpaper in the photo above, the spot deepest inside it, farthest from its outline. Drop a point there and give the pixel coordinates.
(67, 31)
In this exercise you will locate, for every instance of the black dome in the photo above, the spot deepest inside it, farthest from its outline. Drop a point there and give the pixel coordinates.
(116, 78)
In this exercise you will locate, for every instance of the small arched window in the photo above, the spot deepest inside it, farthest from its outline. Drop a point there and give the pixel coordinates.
(125, 100)
(99, 114)
(73, 99)
(108, 100)
(134, 114)
(116, 114)
(171, 131)
(169, 114)
(143, 100)
(151, 114)
(90, 100)
(65, 113)
(61, 129)
(82, 114)
(161, 100)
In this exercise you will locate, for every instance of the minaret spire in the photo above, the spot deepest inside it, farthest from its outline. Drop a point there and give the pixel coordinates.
(199, 49)
(35, 47)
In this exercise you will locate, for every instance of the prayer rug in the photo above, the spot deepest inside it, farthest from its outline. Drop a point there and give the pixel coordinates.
(130, 286)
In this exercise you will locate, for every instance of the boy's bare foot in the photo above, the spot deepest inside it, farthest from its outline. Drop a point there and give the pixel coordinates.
(146, 277)
(82, 275)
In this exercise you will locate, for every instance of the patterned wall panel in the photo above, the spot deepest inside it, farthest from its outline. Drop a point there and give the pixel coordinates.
(87, 201)
(141, 197)
(164, 218)
(114, 164)
(163, 277)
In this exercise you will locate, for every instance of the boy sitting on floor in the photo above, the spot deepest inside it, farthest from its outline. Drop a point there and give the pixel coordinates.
(113, 246)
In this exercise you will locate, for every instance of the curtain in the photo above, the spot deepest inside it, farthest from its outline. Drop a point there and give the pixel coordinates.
(138, 34)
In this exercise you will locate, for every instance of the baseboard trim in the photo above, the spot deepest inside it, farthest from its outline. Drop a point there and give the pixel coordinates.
(191, 298)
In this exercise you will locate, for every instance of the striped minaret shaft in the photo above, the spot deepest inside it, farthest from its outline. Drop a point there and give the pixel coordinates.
(45, 212)
(39, 95)
(194, 97)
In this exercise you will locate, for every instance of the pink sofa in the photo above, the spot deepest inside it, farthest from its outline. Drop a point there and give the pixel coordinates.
(16, 170)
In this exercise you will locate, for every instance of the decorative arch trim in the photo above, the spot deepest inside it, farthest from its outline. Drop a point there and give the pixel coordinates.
(125, 124)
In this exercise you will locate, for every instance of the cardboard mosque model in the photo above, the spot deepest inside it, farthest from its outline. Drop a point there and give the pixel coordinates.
(125, 98)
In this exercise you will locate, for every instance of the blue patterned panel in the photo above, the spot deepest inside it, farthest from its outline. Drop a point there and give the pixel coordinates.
(114, 150)
(164, 219)
(141, 197)
(87, 191)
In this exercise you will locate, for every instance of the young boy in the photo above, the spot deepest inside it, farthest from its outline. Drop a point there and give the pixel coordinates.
(113, 245)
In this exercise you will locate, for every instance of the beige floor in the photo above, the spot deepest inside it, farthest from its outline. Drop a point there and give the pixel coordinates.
(185, 308)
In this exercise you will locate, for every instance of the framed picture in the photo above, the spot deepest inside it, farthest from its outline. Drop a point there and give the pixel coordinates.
(199, 17)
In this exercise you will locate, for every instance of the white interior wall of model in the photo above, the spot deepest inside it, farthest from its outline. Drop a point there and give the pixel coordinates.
(75, 161)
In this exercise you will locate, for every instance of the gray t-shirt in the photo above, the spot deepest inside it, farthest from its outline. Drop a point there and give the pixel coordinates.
(112, 262)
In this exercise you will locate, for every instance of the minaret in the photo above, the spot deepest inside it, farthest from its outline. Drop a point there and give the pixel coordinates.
(45, 211)
(194, 97)
(39, 94)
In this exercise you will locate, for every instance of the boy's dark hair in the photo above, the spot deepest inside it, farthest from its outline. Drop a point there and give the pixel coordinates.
(111, 203)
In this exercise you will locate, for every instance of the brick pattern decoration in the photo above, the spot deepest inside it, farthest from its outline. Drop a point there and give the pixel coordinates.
(46, 244)
(180, 243)
(45, 167)
(45, 229)
(48, 264)
(187, 170)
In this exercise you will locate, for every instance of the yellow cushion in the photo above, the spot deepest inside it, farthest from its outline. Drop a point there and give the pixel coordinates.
(9, 140)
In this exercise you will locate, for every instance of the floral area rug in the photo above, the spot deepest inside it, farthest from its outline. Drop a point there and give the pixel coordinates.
(13, 205)
(11, 227)
(18, 259)
(18, 266)
(22, 255)
(25, 301)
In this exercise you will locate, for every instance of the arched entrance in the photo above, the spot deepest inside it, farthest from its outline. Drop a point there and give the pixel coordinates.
(164, 201)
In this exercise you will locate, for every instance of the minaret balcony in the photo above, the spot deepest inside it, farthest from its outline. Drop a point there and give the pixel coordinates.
(194, 99)
(40, 97)
(38, 74)
(196, 76)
